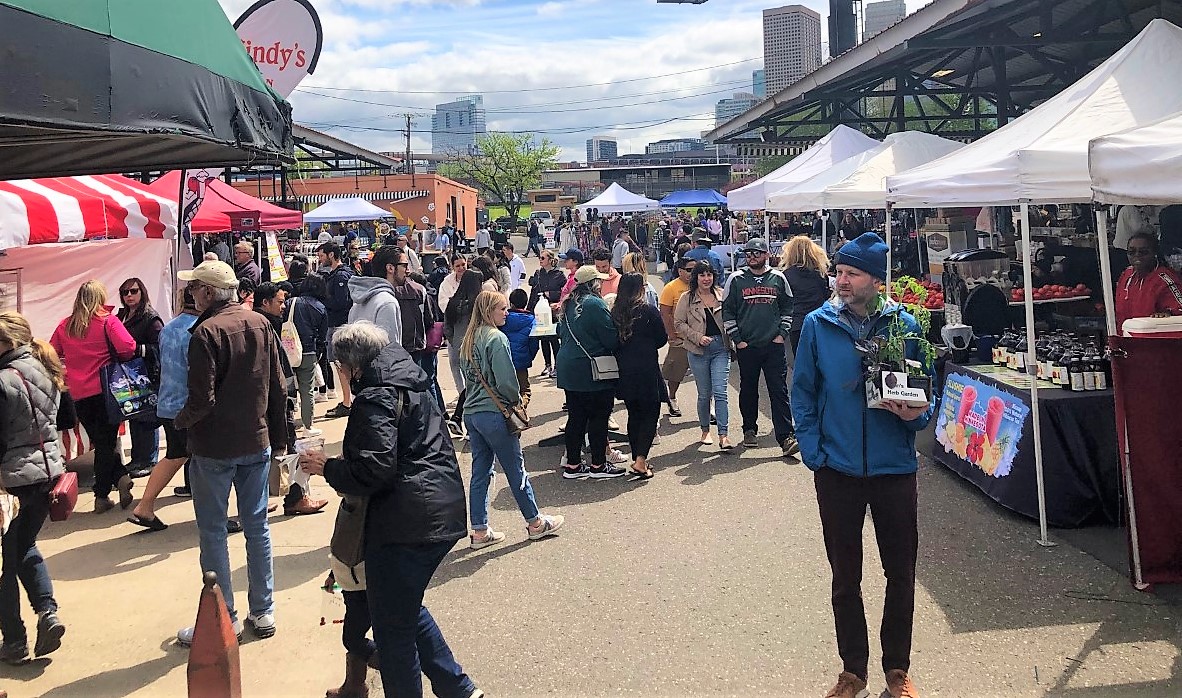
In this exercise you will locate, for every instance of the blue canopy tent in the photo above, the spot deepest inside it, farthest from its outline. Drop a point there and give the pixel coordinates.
(694, 197)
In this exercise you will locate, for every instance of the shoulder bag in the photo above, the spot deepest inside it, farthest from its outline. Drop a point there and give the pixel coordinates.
(516, 418)
(289, 338)
(127, 385)
(603, 368)
(63, 492)
(348, 533)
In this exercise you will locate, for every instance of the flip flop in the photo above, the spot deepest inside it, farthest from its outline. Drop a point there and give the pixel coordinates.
(152, 524)
(638, 475)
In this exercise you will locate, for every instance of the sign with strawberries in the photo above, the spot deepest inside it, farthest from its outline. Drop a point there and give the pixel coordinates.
(980, 424)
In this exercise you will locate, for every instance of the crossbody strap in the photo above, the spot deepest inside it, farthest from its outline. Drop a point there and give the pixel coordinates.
(33, 412)
(488, 389)
(575, 336)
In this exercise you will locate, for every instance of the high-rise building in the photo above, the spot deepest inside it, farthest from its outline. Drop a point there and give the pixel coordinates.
(601, 149)
(880, 15)
(674, 145)
(791, 45)
(759, 83)
(729, 108)
(455, 126)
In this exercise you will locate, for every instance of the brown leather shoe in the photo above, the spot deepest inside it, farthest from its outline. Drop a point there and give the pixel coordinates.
(848, 686)
(899, 684)
(103, 504)
(306, 505)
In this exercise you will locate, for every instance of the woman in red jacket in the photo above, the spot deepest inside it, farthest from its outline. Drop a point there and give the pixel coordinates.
(1148, 288)
(86, 341)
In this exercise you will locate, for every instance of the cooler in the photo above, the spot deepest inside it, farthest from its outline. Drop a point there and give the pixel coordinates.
(1155, 327)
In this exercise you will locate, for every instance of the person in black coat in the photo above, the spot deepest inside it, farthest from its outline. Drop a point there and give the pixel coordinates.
(144, 324)
(397, 453)
(806, 267)
(640, 387)
(549, 281)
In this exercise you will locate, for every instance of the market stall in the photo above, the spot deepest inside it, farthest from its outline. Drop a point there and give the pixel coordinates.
(1041, 158)
(694, 198)
(1141, 166)
(58, 233)
(221, 200)
(617, 199)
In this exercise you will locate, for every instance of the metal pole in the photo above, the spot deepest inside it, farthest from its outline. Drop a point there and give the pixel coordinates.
(1106, 271)
(1031, 370)
(890, 265)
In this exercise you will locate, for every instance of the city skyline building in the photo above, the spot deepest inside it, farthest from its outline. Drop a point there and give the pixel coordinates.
(456, 125)
(880, 15)
(759, 83)
(602, 149)
(791, 45)
(674, 145)
(730, 107)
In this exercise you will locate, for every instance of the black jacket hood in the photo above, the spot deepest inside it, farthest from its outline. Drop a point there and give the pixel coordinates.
(393, 366)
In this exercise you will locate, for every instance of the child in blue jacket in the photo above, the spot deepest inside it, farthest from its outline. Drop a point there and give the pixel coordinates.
(524, 348)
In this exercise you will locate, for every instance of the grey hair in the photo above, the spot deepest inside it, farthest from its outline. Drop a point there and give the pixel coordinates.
(358, 343)
(225, 295)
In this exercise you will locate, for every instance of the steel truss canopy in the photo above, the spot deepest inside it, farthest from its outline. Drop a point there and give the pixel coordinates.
(337, 155)
(960, 68)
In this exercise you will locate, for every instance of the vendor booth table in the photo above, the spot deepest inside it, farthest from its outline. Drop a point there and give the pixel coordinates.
(1080, 459)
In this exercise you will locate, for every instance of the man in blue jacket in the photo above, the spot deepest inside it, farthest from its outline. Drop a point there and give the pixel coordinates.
(860, 457)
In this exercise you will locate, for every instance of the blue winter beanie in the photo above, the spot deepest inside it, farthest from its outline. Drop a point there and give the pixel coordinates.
(866, 252)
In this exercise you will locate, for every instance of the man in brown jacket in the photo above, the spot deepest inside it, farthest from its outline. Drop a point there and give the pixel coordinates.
(235, 417)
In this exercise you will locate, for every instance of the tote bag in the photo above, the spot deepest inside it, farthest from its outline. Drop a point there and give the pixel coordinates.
(289, 337)
(127, 386)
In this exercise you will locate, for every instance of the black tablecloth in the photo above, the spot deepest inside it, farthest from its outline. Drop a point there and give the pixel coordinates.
(1080, 461)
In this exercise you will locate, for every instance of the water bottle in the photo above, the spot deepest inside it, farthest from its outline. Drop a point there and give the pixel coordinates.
(542, 315)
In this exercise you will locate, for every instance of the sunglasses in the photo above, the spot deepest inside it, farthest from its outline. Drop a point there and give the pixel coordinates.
(129, 291)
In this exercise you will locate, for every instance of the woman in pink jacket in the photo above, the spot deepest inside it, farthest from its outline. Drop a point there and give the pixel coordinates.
(86, 341)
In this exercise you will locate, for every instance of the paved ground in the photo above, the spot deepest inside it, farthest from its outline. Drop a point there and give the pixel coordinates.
(709, 580)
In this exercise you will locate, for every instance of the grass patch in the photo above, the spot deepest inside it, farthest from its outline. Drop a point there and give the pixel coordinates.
(496, 211)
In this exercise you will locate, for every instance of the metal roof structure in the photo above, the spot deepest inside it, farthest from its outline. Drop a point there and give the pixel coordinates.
(959, 68)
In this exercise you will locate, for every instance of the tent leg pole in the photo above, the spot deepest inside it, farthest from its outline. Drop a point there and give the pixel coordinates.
(1106, 271)
(890, 260)
(1031, 362)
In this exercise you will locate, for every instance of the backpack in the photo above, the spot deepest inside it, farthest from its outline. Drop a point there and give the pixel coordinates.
(289, 338)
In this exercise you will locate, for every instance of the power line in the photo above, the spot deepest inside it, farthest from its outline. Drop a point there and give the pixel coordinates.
(534, 89)
(565, 130)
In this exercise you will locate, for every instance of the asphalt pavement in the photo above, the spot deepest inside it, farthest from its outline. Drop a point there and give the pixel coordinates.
(708, 580)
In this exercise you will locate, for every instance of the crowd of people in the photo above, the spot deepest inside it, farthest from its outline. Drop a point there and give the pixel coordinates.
(239, 369)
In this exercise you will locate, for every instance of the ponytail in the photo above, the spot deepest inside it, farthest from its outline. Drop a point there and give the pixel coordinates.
(46, 354)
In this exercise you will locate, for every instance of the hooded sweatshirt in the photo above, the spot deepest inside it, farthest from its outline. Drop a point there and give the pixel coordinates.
(374, 300)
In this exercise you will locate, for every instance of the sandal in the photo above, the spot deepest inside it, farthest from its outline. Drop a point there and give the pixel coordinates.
(490, 537)
(152, 524)
(634, 474)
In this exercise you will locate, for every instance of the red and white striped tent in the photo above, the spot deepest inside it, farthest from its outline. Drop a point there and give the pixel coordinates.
(72, 209)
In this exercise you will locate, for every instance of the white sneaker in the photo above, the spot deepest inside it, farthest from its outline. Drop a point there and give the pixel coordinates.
(184, 636)
(332, 394)
(320, 397)
(615, 456)
(309, 433)
(262, 625)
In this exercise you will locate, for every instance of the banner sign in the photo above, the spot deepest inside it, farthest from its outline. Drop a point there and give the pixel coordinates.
(980, 424)
(282, 37)
(275, 258)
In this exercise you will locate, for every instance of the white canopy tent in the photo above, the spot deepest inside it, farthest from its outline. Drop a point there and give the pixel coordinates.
(860, 181)
(1141, 166)
(839, 144)
(341, 210)
(1042, 157)
(617, 199)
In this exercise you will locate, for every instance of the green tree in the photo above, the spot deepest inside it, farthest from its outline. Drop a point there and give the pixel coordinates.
(504, 166)
(766, 165)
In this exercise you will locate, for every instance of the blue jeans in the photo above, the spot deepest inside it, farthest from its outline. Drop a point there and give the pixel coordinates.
(490, 438)
(145, 442)
(24, 564)
(712, 369)
(210, 480)
(410, 644)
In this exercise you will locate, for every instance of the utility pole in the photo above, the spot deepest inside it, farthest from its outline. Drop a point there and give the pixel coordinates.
(410, 166)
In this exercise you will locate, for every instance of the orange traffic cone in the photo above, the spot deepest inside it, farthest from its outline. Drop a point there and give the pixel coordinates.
(214, 671)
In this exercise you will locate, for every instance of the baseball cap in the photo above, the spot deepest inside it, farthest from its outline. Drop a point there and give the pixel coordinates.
(574, 254)
(216, 274)
(587, 273)
(756, 245)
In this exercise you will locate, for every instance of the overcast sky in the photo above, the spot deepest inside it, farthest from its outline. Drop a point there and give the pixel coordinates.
(564, 69)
